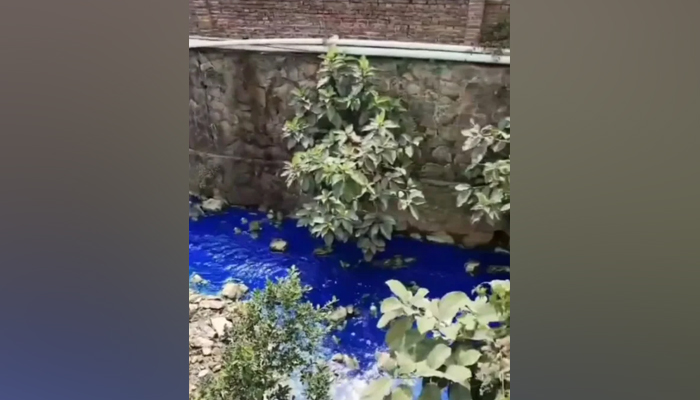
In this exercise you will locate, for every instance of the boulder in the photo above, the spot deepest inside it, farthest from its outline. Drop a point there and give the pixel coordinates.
(279, 246)
(440, 237)
(213, 205)
(234, 291)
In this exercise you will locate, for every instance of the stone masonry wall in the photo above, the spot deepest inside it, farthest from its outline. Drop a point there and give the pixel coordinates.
(239, 103)
(436, 21)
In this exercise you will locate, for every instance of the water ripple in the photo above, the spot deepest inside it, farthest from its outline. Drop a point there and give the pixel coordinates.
(219, 255)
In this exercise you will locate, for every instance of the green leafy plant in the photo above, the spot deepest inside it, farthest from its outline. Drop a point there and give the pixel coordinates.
(488, 194)
(278, 335)
(455, 343)
(352, 158)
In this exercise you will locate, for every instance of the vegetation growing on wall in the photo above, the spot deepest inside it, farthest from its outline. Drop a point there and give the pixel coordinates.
(278, 334)
(488, 194)
(352, 156)
(454, 344)
(497, 36)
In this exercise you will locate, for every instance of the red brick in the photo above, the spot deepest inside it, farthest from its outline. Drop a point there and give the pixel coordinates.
(437, 21)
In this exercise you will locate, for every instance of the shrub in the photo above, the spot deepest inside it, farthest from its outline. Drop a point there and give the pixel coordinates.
(488, 193)
(278, 335)
(353, 157)
(456, 343)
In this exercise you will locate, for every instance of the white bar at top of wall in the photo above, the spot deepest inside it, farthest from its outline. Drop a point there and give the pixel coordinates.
(375, 48)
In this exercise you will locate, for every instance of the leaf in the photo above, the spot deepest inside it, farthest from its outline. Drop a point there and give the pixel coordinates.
(434, 308)
(423, 370)
(467, 357)
(388, 317)
(472, 267)
(459, 392)
(478, 154)
(430, 392)
(360, 178)
(459, 374)
(334, 117)
(462, 198)
(386, 230)
(425, 324)
(420, 294)
(405, 363)
(499, 146)
(409, 151)
(450, 332)
(399, 290)
(468, 321)
(414, 213)
(403, 392)
(390, 304)
(378, 389)
(451, 304)
(397, 331)
(387, 363)
(438, 356)
(323, 81)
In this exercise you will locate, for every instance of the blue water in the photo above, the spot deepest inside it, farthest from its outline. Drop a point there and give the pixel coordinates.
(219, 255)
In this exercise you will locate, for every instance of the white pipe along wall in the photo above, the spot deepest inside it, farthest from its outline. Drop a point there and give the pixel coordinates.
(375, 48)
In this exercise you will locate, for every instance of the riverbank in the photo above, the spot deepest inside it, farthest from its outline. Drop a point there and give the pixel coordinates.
(210, 318)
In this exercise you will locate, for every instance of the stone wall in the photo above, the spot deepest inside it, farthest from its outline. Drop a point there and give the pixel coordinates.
(437, 21)
(239, 103)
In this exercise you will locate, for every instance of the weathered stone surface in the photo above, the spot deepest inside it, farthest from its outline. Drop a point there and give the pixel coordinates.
(208, 328)
(239, 102)
(440, 237)
(234, 291)
(279, 245)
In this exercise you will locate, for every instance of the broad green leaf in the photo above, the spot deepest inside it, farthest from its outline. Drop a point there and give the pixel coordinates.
(434, 308)
(423, 348)
(399, 290)
(430, 392)
(425, 324)
(478, 153)
(451, 332)
(388, 317)
(459, 374)
(403, 392)
(438, 356)
(405, 363)
(423, 370)
(391, 304)
(396, 333)
(468, 321)
(378, 389)
(420, 294)
(414, 212)
(463, 197)
(387, 363)
(466, 357)
(359, 178)
(451, 304)
(499, 146)
(334, 117)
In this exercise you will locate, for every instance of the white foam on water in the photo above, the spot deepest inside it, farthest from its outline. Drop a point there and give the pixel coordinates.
(347, 386)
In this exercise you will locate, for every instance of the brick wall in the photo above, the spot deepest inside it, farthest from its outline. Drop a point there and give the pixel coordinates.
(434, 21)
(494, 12)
